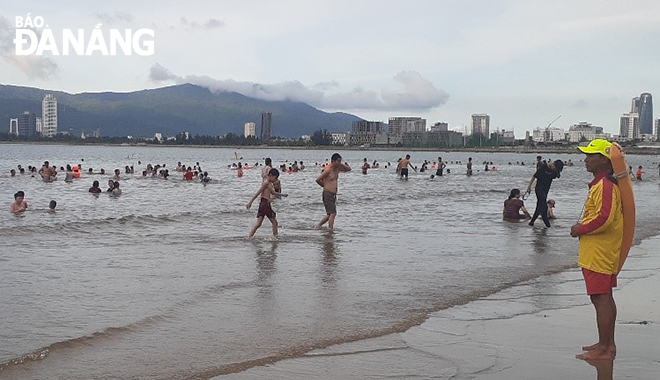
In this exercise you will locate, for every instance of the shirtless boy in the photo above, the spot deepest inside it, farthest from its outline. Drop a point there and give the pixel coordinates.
(403, 167)
(328, 181)
(267, 193)
(19, 204)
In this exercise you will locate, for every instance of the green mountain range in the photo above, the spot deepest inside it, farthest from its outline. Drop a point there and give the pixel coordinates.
(169, 110)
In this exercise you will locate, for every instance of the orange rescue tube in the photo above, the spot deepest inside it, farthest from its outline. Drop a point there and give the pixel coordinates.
(620, 166)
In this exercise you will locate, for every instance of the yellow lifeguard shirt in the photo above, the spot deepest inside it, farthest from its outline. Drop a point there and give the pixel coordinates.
(601, 228)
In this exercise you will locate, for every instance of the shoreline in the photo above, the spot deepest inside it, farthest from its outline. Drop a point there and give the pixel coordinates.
(466, 342)
(649, 151)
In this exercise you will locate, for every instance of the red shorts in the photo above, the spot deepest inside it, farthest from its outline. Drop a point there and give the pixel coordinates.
(598, 283)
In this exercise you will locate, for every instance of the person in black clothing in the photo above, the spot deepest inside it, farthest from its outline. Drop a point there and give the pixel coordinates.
(544, 176)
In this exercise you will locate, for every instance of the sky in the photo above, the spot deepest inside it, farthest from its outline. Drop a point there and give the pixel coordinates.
(522, 62)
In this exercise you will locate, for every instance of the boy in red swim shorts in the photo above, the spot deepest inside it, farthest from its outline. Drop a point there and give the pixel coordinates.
(268, 193)
(600, 232)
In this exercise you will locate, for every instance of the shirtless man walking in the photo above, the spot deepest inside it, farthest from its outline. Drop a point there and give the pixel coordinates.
(328, 181)
(267, 193)
(403, 167)
(47, 172)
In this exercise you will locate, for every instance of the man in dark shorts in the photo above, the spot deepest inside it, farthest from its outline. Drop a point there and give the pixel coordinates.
(267, 193)
(440, 168)
(469, 166)
(328, 180)
(403, 167)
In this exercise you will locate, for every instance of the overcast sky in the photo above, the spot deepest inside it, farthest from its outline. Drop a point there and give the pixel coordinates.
(522, 62)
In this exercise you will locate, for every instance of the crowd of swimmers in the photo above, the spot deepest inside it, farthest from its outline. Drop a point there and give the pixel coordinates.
(514, 209)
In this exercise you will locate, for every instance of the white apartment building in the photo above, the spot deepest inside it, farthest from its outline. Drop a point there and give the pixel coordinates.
(549, 134)
(13, 127)
(629, 125)
(49, 116)
(250, 129)
(584, 131)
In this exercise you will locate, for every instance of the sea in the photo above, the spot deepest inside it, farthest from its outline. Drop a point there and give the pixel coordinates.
(162, 282)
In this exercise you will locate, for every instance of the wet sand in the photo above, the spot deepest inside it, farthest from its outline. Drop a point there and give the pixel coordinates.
(478, 340)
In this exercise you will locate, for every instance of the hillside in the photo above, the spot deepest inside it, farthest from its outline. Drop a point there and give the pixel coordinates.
(169, 110)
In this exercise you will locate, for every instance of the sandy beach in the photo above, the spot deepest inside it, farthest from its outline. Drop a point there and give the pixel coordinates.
(467, 342)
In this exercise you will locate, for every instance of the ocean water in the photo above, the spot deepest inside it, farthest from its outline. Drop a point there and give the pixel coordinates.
(161, 282)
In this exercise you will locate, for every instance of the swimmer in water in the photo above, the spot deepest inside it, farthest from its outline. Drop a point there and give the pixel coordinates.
(512, 207)
(19, 205)
(51, 206)
(402, 168)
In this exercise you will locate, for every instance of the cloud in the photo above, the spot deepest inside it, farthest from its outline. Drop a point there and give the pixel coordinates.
(580, 104)
(211, 23)
(115, 17)
(413, 92)
(35, 67)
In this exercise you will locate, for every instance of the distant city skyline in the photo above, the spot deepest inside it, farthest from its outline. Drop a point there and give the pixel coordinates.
(523, 63)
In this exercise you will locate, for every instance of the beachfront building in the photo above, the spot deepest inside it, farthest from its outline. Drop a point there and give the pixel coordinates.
(583, 132)
(49, 116)
(481, 124)
(40, 126)
(13, 126)
(504, 137)
(657, 129)
(27, 124)
(549, 134)
(645, 114)
(440, 127)
(432, 139)
(629, 126)
(340, 138)
(402, 124)
(365, 132)
(266, 122)
(250, 129)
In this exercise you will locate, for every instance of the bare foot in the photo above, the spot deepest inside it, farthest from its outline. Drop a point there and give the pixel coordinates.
(598, 354)
(590, 348)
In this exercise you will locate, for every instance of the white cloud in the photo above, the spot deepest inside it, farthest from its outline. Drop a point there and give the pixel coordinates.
(35, 67)
(211, 23)
(114, 17)
(412, 92)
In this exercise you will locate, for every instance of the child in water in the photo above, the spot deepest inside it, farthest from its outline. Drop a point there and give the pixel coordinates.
(19, 205)
(551, 206)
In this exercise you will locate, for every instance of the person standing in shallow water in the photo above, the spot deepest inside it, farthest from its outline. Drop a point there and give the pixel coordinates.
(601, 235)
(328, 181)
(469, 166)
(544, 176)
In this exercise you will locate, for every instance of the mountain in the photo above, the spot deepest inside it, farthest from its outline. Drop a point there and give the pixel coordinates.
(169, 110)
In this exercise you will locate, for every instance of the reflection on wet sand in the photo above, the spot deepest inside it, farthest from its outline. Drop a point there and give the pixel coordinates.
(604, 369)
(266, 267)
(329, 262)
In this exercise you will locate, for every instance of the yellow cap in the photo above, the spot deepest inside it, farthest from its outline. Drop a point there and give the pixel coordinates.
(598, 146)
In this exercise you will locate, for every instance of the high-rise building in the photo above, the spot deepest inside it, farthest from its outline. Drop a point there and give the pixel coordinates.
(49, 116)
(634, 107)
(645, 114)
(40, 126)
(400, 125)
(481, 124)
(629, 126)
(365, 132)
(250, 129)
(13, 127)
(27, 124)
(657, 129)
(266, 121)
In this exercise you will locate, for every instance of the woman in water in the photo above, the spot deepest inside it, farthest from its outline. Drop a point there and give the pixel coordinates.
(544, 176)
(513, 206)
